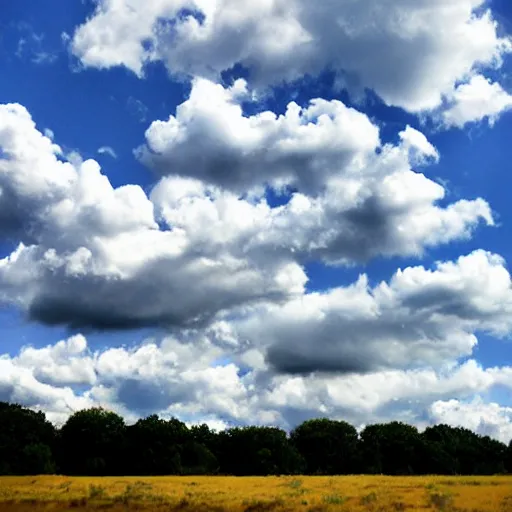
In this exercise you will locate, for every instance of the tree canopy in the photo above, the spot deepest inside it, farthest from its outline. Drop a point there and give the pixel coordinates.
(98, 442)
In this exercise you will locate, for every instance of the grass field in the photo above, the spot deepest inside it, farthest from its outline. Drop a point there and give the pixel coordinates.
(265, 494)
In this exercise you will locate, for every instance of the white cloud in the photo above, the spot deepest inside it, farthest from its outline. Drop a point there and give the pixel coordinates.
(206, 255)
(173, 377)
(420, 318)
(476, 100)
(211, 139)
(94, 256)
(65, 363)
(409, 52)
(352, 203)
(107, 150)
(49, 133)
(490, 419)
(19, 385)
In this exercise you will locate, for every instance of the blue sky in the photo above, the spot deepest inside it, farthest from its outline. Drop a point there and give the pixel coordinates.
(141, 315)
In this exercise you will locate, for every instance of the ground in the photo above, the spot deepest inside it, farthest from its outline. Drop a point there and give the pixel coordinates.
(263, 494)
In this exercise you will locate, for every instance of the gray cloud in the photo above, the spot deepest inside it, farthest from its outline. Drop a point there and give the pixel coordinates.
(96, 257)
(419, 319)
(173, 377)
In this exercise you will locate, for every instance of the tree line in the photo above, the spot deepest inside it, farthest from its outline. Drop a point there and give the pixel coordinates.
(97, 442)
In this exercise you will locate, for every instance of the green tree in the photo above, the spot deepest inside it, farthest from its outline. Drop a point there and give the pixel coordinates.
(156, 446)
(27, 439)
(91, 442)
(327, 446)
(198, 453)
(390, 448)
(468, 453)
(257, 451)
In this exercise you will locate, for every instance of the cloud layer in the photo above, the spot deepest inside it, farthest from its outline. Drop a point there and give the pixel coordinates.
(175, 377)
(91, 256)
(215, 256)
(411, 53)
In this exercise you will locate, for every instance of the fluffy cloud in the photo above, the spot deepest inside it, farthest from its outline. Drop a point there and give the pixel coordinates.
(420, 318)
(94, 256)
(65, 363)
(21, 384)
(354, 220)
(355, 199)
(409, 52)
(476, 100)
(176, 377)
(488, 419)
(211, 139)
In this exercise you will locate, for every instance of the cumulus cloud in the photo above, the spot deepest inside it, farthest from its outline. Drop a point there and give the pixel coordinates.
(209, 138)
(420, 318)
(94, 256)
(172, 376)
(206, 255)
(25, 381)
(355, 197)
(489, 419)
(65, 363)
(409, 52)
(476, 100)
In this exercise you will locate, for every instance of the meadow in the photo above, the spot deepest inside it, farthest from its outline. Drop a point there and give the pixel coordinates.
(258, 494)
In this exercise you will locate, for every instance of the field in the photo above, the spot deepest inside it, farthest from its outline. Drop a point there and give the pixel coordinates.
(265, 494)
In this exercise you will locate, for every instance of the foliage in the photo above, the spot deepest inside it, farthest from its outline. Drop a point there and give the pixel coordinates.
(329, 447)
(91, 442)
(27, 441)
(96, 442)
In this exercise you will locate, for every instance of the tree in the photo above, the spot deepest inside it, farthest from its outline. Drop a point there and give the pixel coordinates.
(468, 453)
(328, 446)
(97, 442)
(198, 453)
(91, 442)
(390, 448)
(26, 441)
(257, 451)
(156, 446)
(508, 458)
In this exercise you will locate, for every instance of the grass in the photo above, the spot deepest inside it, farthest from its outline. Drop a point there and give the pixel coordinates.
(263, 494)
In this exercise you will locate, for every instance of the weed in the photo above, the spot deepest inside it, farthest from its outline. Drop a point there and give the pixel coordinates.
(334, 499)
(96, 491)
(441, 501)
(368, 499)
(296, 486)
(296, 483)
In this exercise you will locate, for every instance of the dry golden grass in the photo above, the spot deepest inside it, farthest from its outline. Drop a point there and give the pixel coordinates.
(265, 494)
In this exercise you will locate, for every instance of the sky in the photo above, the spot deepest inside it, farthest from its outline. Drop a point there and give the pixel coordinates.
(240, 212)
